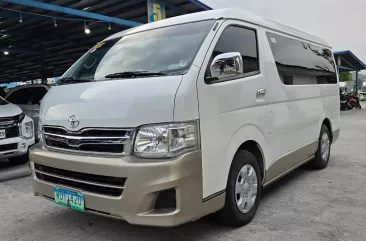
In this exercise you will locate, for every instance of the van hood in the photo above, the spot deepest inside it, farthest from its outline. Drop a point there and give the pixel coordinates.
(9, 110)
(120, 103)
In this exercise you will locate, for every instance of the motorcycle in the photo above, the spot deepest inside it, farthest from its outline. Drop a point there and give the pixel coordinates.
(349, 101)
(344, 104)
(354, 102)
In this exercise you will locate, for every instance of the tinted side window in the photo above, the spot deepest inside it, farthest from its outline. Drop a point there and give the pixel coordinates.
(300, 63)
(20, 97)
(242, 40)
(322, 64)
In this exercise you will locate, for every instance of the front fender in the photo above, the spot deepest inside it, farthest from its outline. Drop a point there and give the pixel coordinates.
(243, 134)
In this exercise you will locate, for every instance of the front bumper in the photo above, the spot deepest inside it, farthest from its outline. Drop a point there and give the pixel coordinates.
(18, 150)
(144, 182)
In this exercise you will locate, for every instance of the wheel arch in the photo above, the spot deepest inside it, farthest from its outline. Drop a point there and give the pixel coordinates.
(256, 150)
(252, 139)
(327, 122)
(326, 119)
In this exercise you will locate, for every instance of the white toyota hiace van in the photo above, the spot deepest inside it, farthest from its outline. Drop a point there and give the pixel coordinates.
(173, 120)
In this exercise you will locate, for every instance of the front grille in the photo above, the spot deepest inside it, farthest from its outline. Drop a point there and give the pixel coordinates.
(10, 125)
(111, 186)
(87, 148)
(87, 132)
(11, 120)
(8, 147)
(89, 140)
(11, 132)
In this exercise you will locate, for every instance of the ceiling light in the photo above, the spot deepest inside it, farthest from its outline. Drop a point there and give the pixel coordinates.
(6, 53)
(86, 29)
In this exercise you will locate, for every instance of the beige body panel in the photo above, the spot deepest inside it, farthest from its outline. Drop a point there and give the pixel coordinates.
(293, 160)
(289, 162)
(143, 183)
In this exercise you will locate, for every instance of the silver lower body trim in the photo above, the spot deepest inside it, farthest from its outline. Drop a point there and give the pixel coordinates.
(290, 161)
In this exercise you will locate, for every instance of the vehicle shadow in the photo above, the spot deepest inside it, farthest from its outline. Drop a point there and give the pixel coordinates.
(4, 163)
(11, 172)
(286, 180)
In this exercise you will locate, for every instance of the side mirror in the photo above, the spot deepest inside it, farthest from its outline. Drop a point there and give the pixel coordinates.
(227, 65)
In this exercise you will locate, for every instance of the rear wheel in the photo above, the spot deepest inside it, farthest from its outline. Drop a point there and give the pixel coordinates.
(18, 160)
(350, 106)
(243, 191)
(322, 154)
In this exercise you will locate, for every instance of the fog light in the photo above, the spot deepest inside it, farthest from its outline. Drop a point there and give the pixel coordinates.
(166, 200)
(23, 146)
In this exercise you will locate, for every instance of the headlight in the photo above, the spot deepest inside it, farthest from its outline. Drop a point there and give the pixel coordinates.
(26, 130)
(169, 140)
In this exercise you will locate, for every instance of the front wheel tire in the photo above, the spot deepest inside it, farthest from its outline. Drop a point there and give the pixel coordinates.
(243, 190)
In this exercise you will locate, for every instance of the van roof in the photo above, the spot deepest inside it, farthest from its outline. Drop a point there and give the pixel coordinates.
(226, 13)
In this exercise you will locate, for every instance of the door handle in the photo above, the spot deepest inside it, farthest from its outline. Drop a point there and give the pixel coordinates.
(261, 92)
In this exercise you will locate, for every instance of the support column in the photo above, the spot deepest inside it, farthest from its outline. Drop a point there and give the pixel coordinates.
(43, 74)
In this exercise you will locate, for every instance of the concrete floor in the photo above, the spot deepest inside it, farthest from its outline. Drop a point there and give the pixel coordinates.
(9, 172)
(306, 205)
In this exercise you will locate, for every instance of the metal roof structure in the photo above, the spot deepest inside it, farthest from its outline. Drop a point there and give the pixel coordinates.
(44, 38)
(347, 61)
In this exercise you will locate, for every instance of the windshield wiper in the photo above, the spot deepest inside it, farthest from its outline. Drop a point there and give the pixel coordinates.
(133, 74)
(73, 80)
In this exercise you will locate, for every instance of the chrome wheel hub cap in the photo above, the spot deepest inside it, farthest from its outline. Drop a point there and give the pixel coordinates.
(325, 146)
(246, 188)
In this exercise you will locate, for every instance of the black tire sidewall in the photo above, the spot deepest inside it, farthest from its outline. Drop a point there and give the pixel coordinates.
(238, 218)
(318, 161)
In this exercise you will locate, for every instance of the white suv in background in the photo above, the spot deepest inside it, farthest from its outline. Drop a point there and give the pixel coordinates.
(28, 98)
(16, 133)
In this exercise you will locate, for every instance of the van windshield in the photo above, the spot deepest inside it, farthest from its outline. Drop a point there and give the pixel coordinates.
(164, 51)
(364, 89)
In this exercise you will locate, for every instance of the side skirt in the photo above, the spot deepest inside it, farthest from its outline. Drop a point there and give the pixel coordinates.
(290, 162)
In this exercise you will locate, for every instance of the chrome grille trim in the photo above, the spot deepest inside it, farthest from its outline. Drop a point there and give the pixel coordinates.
(5, 124)
(75, 139)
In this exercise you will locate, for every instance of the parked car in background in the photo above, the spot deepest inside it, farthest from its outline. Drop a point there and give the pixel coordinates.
(342, 87)
(28, 98)
(16, 133)
(363, 92)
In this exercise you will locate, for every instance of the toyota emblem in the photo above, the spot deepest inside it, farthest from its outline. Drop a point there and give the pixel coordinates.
(74, 121)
